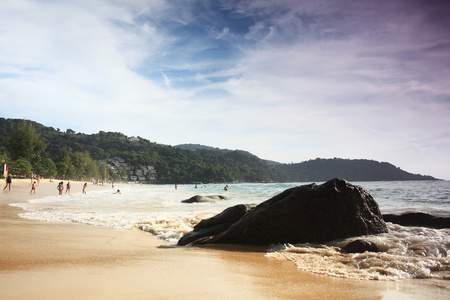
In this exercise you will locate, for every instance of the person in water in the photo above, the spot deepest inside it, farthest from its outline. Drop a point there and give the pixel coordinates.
(60, 188)
(84, 188)
(33, 188)
(118, 192)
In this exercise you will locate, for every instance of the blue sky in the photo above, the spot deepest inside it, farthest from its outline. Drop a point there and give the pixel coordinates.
(285, 80)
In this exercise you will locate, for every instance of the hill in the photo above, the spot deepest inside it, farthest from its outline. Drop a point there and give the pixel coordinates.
(198, 147)
(29, 146)
(78, 155)
(352, 170)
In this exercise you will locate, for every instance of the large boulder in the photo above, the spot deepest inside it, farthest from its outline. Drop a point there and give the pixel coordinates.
(309, 213)
(200, 198)
(208, 228)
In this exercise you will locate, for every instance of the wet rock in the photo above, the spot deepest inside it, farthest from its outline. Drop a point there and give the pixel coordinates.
(309, 213)
(418, 219)
(211, 198)
(360, 246)
(208, 228)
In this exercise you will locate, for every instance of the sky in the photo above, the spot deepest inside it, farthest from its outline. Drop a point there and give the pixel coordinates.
(286, 80)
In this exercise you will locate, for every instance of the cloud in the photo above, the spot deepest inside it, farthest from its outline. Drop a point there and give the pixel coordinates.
(286, 80)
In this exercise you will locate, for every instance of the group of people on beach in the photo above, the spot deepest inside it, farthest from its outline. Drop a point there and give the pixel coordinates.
(60, 187)
(9, 182)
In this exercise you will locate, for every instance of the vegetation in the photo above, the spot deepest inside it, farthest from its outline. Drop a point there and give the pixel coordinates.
(352, 170)
(28, 147)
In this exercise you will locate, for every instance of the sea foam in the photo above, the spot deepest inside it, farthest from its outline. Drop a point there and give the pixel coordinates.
(407, 252)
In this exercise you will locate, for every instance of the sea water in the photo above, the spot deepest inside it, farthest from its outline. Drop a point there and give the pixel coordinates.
(407, 252)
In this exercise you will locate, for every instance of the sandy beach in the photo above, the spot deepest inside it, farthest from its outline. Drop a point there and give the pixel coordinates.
(43, 260)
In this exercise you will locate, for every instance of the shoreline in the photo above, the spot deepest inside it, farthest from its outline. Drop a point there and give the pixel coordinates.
(41, 260)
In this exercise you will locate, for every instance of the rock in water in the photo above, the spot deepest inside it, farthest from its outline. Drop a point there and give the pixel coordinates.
(211, 198)
(360, 246)
(309, 213)
(418, 219)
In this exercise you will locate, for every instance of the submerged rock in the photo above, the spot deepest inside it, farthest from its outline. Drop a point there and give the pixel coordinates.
(211, 198)
(309, 213)
(360, 246)
(418, 219)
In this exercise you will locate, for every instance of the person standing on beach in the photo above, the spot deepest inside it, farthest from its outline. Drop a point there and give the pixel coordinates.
(8, 183)
(68, 187)
(84, 188)
(33, 188)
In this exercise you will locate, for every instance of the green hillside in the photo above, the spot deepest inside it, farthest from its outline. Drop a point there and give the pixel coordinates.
(352, 170)
(28, 147)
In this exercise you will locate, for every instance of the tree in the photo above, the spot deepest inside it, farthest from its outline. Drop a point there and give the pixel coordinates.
(4, 157)
(20, 166)
(65, 168)
(25, 142)
(45, 167)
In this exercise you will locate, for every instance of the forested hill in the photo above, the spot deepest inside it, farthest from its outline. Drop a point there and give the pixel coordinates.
(321, 169)
(29, 146)
(352, 170)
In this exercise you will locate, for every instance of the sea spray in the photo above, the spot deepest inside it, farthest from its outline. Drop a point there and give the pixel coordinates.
(406, 252)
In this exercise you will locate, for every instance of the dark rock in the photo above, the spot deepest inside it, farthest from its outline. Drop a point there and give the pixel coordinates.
(207, 228)
(418, 219)
(199, 198)
(360, 246)
(309, 213)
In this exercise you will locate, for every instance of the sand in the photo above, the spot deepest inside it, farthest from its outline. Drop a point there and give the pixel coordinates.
(43, 260)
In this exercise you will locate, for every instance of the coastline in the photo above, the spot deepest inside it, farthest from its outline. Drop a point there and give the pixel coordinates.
(41, 260)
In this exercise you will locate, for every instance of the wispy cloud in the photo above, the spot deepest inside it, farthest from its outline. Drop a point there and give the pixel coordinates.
(286, 80)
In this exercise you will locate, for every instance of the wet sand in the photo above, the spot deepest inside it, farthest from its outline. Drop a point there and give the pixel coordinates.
(43, 260)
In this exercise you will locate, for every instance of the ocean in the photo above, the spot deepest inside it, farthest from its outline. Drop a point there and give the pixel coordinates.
(408, 252)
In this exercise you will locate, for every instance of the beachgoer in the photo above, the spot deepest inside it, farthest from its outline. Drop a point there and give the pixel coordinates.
(60, 188)
(176, 187)
(68, 187)
(8, 183)
(84, 188)
(118, 192)
(33, 188)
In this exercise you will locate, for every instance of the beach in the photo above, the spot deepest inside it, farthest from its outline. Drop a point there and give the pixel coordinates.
(54, 260)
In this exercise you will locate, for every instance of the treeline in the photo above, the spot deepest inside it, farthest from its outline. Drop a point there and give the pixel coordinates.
(28, 147)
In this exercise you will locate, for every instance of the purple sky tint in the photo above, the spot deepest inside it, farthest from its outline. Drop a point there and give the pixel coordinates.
(286, 80)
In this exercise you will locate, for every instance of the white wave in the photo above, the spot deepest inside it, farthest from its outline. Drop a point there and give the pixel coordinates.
(407, 252)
